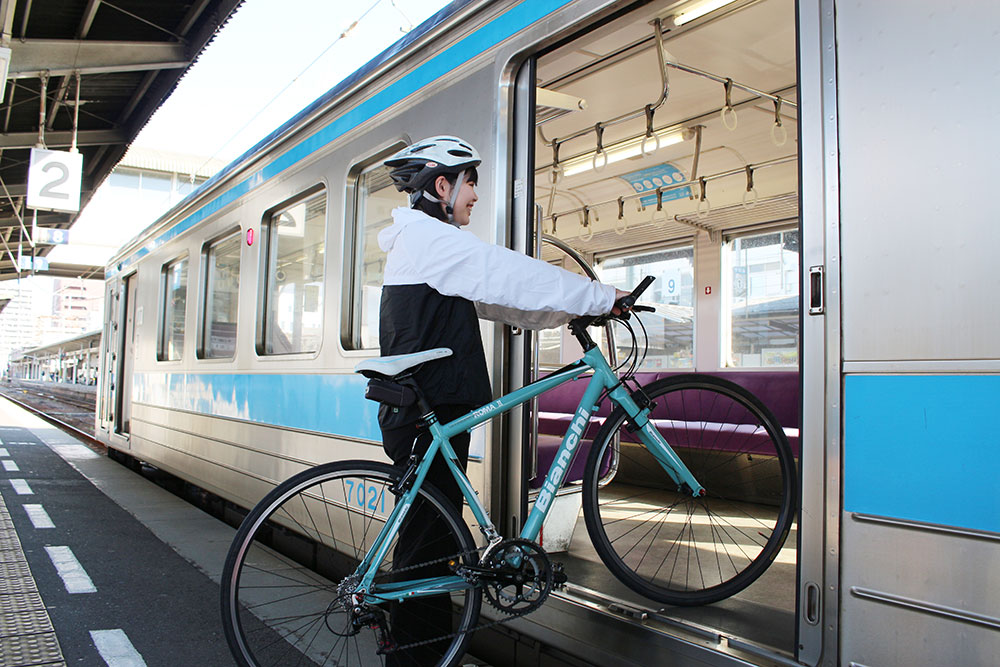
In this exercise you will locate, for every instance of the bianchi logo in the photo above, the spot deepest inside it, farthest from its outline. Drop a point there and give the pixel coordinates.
(563, 458)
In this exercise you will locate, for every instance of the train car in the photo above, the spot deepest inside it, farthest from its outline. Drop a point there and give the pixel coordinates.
(807, 181)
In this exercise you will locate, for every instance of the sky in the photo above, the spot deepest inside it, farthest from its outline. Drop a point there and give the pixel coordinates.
(272, 59)
(260, 70)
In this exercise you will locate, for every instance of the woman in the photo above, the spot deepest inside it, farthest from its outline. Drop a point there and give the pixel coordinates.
(439, 279)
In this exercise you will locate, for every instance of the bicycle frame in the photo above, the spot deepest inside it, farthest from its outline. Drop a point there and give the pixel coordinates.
(604, 378)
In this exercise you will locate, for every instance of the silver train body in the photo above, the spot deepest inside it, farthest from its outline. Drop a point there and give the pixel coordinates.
(234, 322)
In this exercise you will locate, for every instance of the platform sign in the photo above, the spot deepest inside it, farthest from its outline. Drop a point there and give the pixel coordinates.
(658, 176)
(670, 286)
(54, 179)
(40, 263)
(51, 235)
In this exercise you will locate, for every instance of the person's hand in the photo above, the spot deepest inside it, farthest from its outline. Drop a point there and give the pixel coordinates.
(618, 294)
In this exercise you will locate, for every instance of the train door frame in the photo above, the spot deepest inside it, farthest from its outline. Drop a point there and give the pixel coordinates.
(108, 355)
(818, 618)
(125, 350)
(519, 344)
(817, 590)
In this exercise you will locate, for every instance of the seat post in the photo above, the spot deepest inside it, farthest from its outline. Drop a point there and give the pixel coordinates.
(411, 382)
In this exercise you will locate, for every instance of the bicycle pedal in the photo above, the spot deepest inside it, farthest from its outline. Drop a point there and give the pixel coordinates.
(559, 574)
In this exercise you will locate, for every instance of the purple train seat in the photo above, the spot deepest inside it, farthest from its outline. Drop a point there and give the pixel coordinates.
(778, 390)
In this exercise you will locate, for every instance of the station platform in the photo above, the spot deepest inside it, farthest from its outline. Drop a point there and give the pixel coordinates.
(97, 564)
(101, 566)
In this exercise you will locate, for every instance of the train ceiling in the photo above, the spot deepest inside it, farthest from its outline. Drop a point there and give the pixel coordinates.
(616, 72)
(129, 55)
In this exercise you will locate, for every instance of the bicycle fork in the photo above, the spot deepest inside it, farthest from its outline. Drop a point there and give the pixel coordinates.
(642, 425)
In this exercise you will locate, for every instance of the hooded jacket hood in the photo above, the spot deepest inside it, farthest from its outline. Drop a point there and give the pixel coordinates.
(401, 219)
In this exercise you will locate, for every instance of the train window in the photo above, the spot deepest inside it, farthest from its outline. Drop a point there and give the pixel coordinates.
(175, 276)
(294, 259)
(762, 299)
(375, 197)
(670, 329)
(222, 290)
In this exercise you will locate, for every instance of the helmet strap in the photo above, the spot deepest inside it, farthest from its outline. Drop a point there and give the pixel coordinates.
(450, 208)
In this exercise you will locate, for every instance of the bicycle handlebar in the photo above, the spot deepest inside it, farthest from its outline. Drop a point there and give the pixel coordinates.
(625, 304)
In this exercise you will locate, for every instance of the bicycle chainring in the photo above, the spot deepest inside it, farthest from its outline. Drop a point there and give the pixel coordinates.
(521, 576)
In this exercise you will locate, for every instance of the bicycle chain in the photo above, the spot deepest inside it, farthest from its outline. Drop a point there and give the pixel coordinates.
(510, 615)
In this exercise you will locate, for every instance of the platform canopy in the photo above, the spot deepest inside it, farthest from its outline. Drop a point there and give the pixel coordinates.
(128, 56)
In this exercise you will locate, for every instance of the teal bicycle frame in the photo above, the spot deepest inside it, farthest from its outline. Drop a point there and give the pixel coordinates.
(604, 378)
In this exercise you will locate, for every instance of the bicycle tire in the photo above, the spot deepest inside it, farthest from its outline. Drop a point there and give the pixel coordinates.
(674, 548)
(280, 598)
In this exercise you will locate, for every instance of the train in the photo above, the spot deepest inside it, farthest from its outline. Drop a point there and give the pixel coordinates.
(807, 180)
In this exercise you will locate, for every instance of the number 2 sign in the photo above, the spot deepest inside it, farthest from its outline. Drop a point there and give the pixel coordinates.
(54, 179)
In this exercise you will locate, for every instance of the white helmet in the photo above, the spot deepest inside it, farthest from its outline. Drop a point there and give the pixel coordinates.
(416, 166)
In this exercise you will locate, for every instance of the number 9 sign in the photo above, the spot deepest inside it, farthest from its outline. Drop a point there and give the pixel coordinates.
(54, 179)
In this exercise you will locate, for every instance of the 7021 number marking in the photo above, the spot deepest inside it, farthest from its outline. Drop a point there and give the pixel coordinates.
(365, 496)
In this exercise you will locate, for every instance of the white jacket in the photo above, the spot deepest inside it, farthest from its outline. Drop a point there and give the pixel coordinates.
(506, 286)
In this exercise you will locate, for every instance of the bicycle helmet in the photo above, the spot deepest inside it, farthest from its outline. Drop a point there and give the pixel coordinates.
(415, 168)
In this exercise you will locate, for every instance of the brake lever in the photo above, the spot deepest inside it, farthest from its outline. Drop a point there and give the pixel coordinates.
(643, 309)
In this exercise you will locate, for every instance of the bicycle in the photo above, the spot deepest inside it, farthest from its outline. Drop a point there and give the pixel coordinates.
(311, 575)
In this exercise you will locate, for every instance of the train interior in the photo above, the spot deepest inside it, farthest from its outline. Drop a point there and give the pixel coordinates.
(687, 172)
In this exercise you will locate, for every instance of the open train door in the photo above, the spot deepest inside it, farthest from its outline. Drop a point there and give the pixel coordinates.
(125, 351)
(756, 272)
(106, 377)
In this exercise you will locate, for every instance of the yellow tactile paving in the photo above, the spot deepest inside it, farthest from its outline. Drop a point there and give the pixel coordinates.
(26, 634)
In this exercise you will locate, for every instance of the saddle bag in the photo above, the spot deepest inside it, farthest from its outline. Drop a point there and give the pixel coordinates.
(390, 393)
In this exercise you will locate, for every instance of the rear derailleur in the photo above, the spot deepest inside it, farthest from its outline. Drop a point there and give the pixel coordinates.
(348, 614)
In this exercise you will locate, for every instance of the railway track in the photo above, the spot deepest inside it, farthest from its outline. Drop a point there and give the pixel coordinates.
(67, 406)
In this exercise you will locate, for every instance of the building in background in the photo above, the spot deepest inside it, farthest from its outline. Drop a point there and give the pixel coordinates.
(145, 184)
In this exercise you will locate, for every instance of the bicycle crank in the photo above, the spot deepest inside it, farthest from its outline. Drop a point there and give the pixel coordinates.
(517, 576)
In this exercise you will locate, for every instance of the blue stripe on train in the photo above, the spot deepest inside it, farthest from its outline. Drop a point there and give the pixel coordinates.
(499, 29)
(923, 447)
(328, 404)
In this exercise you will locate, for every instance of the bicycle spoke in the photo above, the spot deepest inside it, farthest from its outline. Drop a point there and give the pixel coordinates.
(674, 547)
(316, 581)
(299, 554)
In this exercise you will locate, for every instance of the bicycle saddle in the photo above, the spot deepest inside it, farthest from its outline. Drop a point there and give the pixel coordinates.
(398, 363)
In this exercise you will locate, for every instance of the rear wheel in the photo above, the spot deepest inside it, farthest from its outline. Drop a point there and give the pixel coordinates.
(658, 539)
(285, 583)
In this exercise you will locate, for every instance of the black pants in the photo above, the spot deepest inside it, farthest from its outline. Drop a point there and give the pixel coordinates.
(423, 537)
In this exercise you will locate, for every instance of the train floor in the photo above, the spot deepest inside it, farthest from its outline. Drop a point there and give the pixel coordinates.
(763, 613)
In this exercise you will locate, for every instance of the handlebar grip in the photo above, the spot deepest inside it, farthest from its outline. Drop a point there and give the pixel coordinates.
(629, 301)
(641, 287)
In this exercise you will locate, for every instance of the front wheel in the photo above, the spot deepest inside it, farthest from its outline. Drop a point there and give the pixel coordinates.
(287, 580)
(658, 539)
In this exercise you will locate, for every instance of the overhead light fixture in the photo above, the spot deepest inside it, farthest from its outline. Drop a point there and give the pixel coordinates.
(556, 100)
(699, 9)
(624, 150)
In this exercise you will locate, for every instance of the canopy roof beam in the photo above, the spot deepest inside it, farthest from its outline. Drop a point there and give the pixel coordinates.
(59, 57)
(60, 139)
